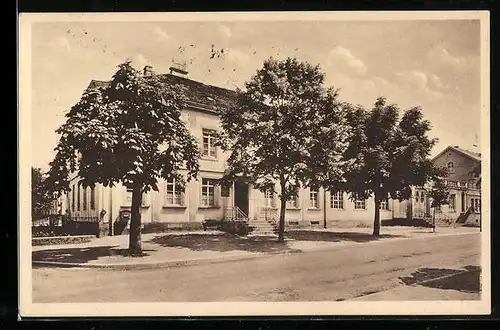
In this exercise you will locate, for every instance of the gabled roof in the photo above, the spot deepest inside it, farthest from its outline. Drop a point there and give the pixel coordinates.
(200, 96)
(467, 153)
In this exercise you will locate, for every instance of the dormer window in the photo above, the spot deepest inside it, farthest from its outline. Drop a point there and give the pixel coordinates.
(451, 167)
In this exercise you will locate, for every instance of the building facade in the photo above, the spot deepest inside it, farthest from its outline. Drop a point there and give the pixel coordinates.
(203, 199)
(464, 188)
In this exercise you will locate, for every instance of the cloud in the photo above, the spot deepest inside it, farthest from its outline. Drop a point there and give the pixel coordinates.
(343, 60)
(413, 78)
(435, 81)
(423, 86)
(62, 42)
(224, 31)
(139, 61)
(441, 55)
(162, 35)
(237, 56)
(381, 82)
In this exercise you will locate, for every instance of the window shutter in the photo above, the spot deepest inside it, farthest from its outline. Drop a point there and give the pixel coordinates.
(145, 199)
(217, 192)
(127, 197)
(199, 188)
(183, 198)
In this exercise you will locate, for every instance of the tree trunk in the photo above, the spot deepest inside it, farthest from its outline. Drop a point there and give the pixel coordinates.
(281, 228)
(135, 244)
(376, 222)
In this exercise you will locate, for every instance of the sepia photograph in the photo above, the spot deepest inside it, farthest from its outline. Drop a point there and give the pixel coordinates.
(286, 163)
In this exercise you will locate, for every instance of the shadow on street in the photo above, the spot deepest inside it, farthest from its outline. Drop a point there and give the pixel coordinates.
(229, 242)
(334, 236)
(81, 255)
(222, 243)
(201, 242)
(465, 281)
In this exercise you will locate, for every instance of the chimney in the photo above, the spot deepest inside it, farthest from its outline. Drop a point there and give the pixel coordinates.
(179, 69)
(148, 70)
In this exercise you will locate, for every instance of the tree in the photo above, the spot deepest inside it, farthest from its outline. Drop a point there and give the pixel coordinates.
(440, 195)
(129, 131)
(276, 131)
(42, 200)
(327, 166)
(389, 154)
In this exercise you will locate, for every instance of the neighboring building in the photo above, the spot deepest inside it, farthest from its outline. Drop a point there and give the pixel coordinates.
(464, 184)
(203, 199)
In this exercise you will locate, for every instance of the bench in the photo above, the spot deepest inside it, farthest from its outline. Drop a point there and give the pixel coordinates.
(213, 224)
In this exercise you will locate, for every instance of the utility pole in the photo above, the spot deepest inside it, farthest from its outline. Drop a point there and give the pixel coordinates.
(431, 201)
(434, 220)
(324, 208)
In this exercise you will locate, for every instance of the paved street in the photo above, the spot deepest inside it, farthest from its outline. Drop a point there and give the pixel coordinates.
(345, 273)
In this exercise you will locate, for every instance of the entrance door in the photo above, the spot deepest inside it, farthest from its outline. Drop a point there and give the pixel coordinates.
(241, 196)
(463, 201)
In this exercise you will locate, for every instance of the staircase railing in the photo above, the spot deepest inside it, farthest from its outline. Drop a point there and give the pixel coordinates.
(240, 215)
(234, 214)
(463, 217)
(84, 216)
(270, 215)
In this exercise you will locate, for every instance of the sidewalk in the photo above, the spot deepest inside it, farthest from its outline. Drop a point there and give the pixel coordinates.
(172, 249)
(445, 282)
(418, 293)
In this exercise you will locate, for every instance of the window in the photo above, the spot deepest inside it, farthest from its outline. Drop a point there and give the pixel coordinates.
(209, 149)
(293, 203)
(73, 198)
(128, 198)
(476, 205)
(207, 192)
(92, 198)
(269, 198)
(384, 204)
(173, 193)
(419, 196)
(360, 204)
(452, 202)
(78, 197)
(451, 167)
(313, 199)
(84, 198)
(337, 200)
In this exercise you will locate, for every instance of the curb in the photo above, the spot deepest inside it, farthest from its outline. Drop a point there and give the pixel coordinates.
(165, 264)
(205, 261)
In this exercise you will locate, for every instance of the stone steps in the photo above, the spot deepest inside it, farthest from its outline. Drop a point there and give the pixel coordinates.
(262, 227)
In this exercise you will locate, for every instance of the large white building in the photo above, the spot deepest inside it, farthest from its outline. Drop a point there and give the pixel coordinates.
(203, 199)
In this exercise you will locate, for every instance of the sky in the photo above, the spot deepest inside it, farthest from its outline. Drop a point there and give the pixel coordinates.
(431, 64)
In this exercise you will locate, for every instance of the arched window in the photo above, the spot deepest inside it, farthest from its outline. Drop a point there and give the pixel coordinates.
(451, 167)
